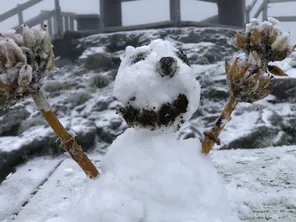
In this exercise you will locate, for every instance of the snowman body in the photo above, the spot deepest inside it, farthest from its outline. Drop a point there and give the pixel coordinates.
(148, 175)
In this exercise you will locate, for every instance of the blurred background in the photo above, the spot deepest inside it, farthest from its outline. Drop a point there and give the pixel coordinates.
(149, 11)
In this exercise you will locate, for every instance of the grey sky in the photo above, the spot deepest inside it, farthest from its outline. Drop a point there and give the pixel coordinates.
(144, 11)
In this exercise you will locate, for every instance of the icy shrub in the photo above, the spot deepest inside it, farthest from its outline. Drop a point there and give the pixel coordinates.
(100, 81)
(248, 77)
(78, 98)
(24, 60)
(31, 122)
(55, 86)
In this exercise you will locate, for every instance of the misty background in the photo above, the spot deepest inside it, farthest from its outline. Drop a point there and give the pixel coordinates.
(145, 11)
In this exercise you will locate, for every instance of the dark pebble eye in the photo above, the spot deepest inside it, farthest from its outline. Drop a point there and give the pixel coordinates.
(167, 66)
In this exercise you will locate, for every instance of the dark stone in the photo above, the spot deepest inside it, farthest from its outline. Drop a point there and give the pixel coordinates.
(107, 133)
(11, 121)
(99, 62)
(284, 89)
(260, 137)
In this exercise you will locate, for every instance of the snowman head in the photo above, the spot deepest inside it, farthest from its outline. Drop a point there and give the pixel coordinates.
(156, 86)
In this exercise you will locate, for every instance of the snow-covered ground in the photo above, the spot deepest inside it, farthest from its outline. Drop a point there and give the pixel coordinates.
(260, 184)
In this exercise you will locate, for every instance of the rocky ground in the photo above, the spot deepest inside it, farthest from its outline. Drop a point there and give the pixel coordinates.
(81, 95)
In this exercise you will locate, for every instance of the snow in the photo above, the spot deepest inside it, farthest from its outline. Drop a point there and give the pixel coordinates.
(259, 185)
(57, 195)
(11, 143)
(151, 176)
(19, 186)
(143, 81)
(92, 50)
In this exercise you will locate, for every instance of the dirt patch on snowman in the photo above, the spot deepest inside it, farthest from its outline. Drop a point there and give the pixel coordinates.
(165, 116)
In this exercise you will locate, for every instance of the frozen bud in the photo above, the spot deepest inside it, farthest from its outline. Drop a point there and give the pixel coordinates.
(14, 54)
(236, 71)
(239, 41)
(281, 42)
(25, 76)
(255, 37)
(252, 25)
(17, 38)
(246, 84)
(51, 62)
(273, 21)
(254, 21)
(254, 59)
(3, 59)
(29, 37)
(44, 42)
(167, 66)
(274, 33)
(265, 26)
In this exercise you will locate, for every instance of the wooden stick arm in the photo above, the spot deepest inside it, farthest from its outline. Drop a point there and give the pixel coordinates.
(68, 142)
(211, 136)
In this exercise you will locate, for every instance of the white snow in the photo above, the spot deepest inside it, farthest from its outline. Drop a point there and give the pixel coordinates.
(150, 176)
(92, 50)
(19, 186)
(259, 184)
(142, 80)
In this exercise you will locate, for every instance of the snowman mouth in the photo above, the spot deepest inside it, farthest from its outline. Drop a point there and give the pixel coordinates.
(153, 119)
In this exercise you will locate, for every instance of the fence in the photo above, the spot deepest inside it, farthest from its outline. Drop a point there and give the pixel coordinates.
(263, 8)
(57, 21)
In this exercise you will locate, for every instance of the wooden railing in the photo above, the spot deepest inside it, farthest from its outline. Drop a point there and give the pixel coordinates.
(58, 22)
(263, 9)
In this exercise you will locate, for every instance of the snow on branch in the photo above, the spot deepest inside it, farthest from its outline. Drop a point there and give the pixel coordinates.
(24, 60)
(248, 78)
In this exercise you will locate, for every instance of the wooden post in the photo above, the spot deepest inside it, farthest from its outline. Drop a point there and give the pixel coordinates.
(66, 20)
(49, 26)
(72, 24)
(58, 19)
(20, 14)
(264, 11)
(110, 13)
(175, 11)
(231, 12)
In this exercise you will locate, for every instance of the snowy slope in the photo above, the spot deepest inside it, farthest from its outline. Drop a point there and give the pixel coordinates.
(260, 184)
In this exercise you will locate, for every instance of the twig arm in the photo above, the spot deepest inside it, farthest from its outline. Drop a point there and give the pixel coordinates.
(68, 142)
(211, 136)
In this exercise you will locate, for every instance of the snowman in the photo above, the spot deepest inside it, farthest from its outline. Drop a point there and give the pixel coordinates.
(148, 175)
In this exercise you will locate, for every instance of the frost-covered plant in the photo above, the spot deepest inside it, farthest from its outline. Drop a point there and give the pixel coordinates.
(24, 60)
(248, 78)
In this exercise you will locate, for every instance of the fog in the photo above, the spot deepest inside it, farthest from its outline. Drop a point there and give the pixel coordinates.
(145, 11)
